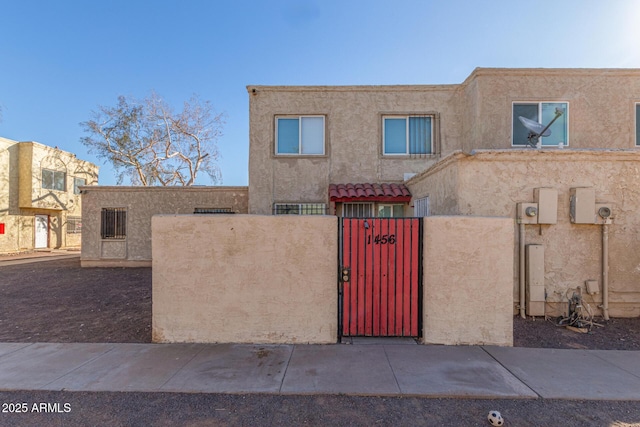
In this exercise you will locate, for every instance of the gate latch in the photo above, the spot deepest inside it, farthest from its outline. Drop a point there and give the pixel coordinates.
(346, 274)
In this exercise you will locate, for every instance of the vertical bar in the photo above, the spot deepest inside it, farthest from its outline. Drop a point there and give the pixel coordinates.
(419, 295)
(399, 279)
(376, 267)
(406, 288)
(385, 261)
(342, 286)
(353, 309)
(361, 283)
(369, 268)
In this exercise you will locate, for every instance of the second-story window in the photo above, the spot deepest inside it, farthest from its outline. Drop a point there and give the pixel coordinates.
(404, 135)
(543, 113)
(302, 135)
(53, 180)
(77, 182)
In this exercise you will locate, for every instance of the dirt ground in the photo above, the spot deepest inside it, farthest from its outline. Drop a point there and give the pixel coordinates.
(58, 301)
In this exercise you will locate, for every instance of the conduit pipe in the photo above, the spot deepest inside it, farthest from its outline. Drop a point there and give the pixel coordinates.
(521, 271)
(605, 269)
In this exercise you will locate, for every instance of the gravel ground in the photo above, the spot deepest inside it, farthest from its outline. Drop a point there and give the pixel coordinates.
(57, 301)
(172, 409)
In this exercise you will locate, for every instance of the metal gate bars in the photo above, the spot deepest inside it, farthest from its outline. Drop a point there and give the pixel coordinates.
(380, 284)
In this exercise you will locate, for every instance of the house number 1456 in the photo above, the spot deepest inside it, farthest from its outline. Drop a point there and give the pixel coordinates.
(382, 239)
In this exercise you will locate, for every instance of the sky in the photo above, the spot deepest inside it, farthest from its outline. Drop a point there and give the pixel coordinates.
(60, 60)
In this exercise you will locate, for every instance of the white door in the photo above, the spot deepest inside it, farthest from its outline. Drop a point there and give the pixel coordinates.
(42, 231)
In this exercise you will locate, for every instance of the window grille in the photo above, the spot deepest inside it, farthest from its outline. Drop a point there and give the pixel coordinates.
(213, 211)
(114, 223)
(74, 225)
(299, 209)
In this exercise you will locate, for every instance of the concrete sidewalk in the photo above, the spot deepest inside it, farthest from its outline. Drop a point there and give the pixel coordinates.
(37, 256)
(374, 369)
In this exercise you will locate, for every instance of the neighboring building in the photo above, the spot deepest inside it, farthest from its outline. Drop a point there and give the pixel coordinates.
(462, 149)
(40, 206)
(117, 225)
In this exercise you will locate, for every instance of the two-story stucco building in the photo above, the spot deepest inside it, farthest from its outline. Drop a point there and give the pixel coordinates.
(465, 149)
(40, 204)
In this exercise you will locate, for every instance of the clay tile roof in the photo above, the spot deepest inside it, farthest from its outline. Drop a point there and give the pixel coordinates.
(369, 193)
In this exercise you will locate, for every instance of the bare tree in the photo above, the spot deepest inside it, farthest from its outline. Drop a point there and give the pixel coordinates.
(150, 144)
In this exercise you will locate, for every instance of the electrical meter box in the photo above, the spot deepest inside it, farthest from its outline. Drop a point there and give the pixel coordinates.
(582, 207)
(527, 213)
(547, 200)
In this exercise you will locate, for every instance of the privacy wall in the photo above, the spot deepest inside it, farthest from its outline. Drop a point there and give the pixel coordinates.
(273, 279)
(245, 279)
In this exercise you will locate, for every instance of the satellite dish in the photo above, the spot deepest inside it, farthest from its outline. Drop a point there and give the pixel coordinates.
(536, 130)
(535, 127)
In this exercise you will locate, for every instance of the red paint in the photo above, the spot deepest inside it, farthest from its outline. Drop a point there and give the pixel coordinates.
(381, 299)
(1, 227)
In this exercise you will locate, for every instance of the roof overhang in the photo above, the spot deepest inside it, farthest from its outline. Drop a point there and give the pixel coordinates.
(386, 193)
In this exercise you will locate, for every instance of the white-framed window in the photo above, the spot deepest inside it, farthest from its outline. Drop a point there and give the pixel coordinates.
(386, 210)
(421, 207)
(543, 113)
(357, 210)
(405, 135)
(300, 135)
(638, 124)
(299, 209)
(77, 182)
(54, 180)
(113, 224)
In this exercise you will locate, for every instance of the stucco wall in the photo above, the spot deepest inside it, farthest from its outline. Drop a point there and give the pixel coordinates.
(353, 138)
(601, 104)
(491, 183)
(245, 279)
(22, 196)
(468, 265)
(9, 241)
(476, 114)
(141, 204)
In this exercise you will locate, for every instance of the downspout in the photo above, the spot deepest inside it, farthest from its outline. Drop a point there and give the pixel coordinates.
(605, 269)
(521, 271)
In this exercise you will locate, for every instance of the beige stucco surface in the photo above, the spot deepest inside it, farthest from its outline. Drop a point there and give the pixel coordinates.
(141, 204)
(244, 279)
(475, 114)
(468, 265)
(22, 196)
(491, 183)
(353, 138)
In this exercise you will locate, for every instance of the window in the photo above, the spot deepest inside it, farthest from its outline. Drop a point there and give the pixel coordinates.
(74, 225)
(390, 211)
(638, 123)
(53, 180)
(213, 211)
(299, 209)
(357, 210)
(407, 135)
(421, 207)
(302, 135)
(543, 113)
(77, 182)
(114, 223)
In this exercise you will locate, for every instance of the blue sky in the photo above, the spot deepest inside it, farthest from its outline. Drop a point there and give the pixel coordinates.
(59, 60)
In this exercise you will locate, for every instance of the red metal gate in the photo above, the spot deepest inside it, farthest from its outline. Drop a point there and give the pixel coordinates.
(380, 277)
